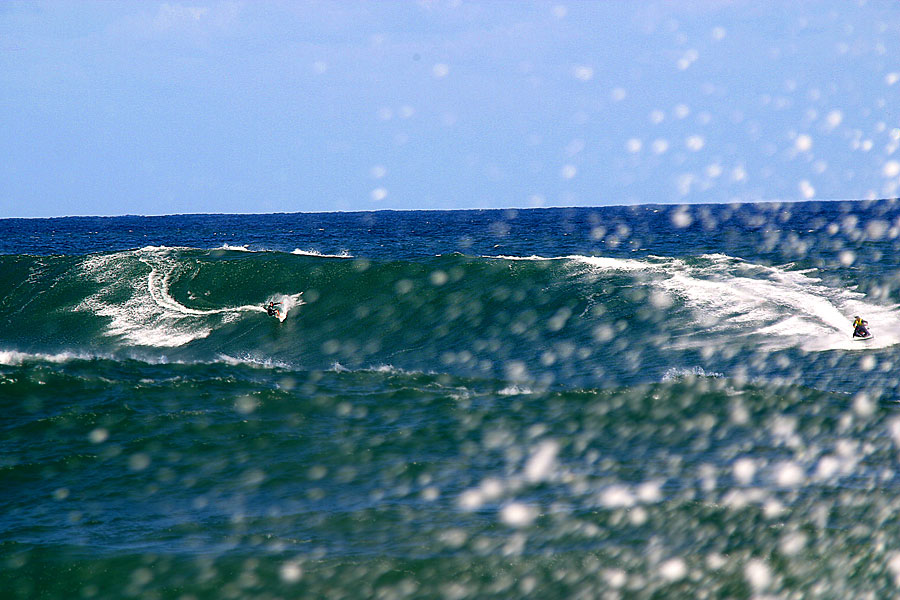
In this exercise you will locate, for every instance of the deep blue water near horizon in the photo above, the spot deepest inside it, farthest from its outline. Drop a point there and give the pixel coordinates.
(622, 402)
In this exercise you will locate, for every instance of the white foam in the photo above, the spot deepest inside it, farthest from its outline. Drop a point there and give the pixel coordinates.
(148, 315)
(343, 254)
(515, 390)
(383, 369)
(253, 361)
(786, 309)
(600, 263)
(14, 358)
(532, 257)
(152, 249)
(392, 370)
(732, 298)
(676, 373)
(605, 263)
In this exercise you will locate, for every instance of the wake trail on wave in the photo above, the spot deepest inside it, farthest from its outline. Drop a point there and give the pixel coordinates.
(150, 315)
(730, 298)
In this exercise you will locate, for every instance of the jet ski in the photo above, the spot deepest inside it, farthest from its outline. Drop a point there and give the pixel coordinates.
(861, 330)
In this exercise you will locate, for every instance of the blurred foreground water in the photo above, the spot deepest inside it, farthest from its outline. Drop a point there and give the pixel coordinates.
(627, 402)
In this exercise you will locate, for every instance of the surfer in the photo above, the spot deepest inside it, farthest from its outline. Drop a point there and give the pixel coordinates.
(272, 309)
(861, 328)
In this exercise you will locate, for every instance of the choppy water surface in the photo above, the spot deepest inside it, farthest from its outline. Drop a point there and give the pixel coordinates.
(620, 402)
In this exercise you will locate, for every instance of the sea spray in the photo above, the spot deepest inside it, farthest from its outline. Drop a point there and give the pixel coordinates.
(631, 401)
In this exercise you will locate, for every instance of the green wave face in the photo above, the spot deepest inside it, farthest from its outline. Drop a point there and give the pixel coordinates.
(466, 314)
(575, 320)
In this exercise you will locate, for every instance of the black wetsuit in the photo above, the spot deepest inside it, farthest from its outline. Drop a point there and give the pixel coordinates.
(271, 310)
(861, 330)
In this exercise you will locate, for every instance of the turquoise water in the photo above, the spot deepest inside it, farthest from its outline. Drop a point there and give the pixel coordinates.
(619, 402)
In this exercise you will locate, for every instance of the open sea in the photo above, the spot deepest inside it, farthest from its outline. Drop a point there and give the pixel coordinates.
(621, 402)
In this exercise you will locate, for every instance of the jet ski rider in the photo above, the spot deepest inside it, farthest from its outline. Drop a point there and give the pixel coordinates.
(272, 310)
(860, 327)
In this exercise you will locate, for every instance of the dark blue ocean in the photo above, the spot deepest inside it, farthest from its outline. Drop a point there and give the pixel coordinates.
(619, 402)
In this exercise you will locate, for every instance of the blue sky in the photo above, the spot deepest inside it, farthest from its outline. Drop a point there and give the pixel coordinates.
(235, 107)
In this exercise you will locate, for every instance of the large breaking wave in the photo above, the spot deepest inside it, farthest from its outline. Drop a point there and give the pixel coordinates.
(574, 319)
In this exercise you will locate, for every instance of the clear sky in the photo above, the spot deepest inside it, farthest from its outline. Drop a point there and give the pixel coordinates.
(232, 107)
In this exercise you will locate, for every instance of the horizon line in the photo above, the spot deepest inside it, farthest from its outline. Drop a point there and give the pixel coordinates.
(377, 210)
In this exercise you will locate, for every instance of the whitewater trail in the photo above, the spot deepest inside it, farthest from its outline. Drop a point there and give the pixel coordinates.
(149, 315)
(731, 298)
